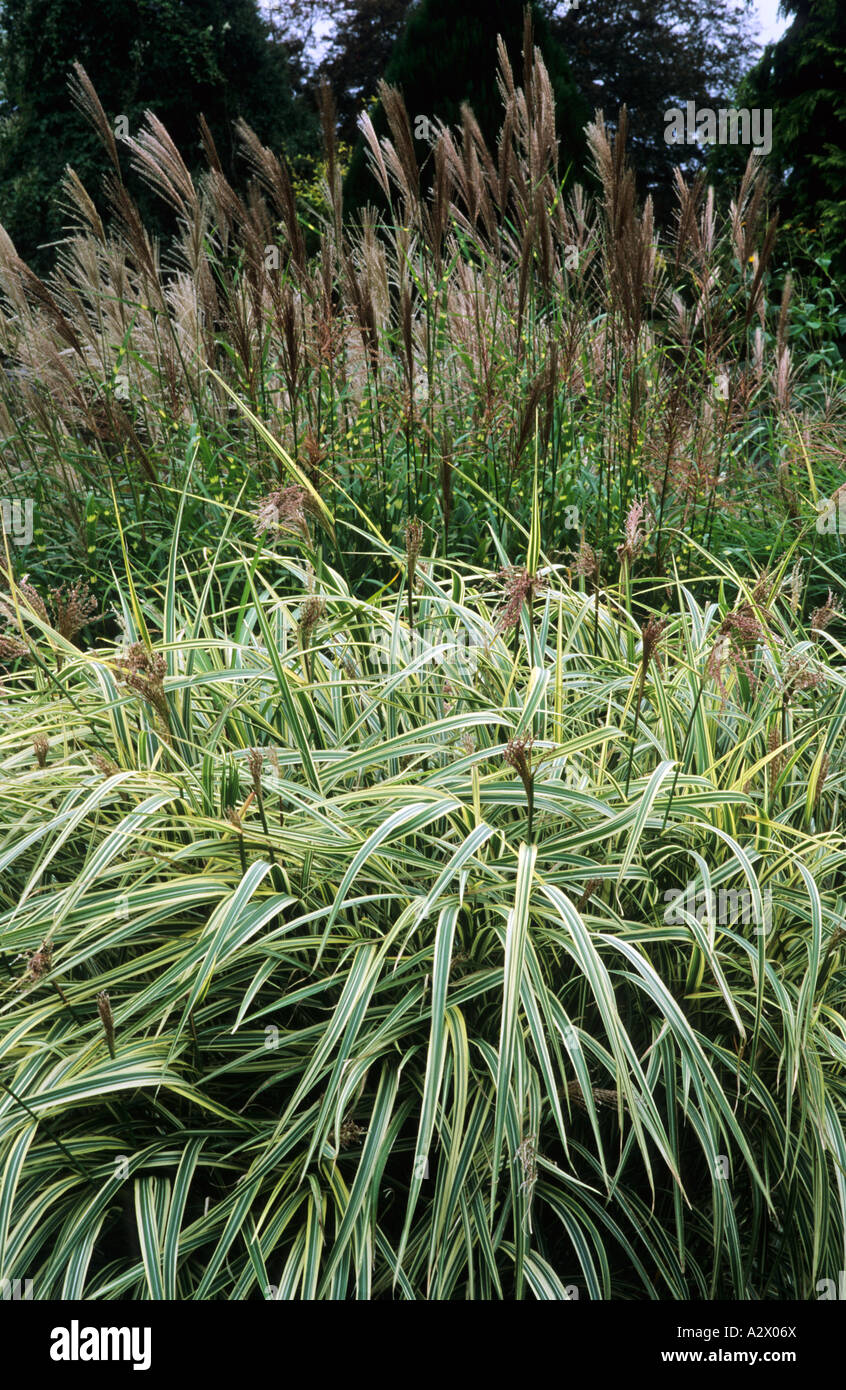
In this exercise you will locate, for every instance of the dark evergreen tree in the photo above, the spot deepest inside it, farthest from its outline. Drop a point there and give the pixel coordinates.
(447, 55)
(179, 58)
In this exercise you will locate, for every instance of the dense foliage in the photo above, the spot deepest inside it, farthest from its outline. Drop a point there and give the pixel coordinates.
(802, 79)
(422, 751)
(209, 58)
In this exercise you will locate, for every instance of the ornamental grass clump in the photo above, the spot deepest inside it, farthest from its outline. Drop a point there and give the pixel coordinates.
(437, 1035)
(419, 361)
(415, 999)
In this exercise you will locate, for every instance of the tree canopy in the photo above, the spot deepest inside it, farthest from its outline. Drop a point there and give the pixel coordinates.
(179, 58)
(650, 56)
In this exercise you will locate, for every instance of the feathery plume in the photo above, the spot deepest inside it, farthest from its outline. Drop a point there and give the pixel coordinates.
(634, 536)
(520, 587)
(825, 614)
(285, 509)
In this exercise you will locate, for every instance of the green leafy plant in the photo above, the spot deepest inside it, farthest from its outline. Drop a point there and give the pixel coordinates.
(337, 1021)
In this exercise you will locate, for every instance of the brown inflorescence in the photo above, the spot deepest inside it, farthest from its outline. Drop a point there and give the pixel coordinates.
(587, 893)
(602, 1096)
(825, 614)
(350, 1133)
(520, 586)
(73, 607)
(413, 542)
(587, 562)
(799, 674)
(33, 599)
(518, 754)
(11, 648)
(310, 614)
(777, 762)
(39, 964)
(104, 1009)
(651, 632)
(144, 672)
(285, 509)
(737, 636)
(825, 763)
(254, 763)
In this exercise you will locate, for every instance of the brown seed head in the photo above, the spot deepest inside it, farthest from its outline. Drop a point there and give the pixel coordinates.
(799, 674)
(777, 763)
(518, 754)
(822, 616)
(254, 763)
(310, 614)
(39, 964)
(601, 1095)
(349, 1133)
(413, 542)
(33, 600)
(144, 672)
(825, 763)
(651, 632)
(285, 509)
(762, 593)
(73, 607)
(738, 634)
(519, 586)
(11, 648)
(104, 1009)
(588, 892)
(587, 563)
